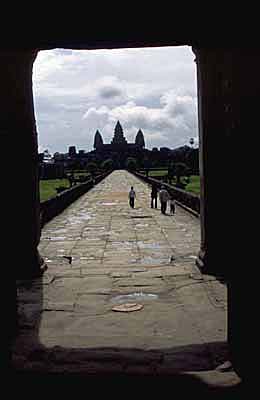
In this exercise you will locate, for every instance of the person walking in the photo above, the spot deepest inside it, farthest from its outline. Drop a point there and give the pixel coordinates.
(132, 196)
(164, 197)
(154, 194)
(172, 205)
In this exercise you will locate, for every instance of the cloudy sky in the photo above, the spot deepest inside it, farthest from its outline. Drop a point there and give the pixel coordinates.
(77, 92)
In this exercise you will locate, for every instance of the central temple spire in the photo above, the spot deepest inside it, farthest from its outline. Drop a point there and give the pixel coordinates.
(119, 135)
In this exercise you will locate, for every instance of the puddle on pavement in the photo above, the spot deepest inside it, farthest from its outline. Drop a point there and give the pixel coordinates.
(109, 204)
(143, 245)
(59, 260)
(122, 244)
(57, 238)
(75, 219)
(151, 260)
(56, 231)
(141, 225)
(139, 296)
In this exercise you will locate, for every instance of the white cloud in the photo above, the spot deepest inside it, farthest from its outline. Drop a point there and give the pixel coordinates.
(77, 92)
(161, 126)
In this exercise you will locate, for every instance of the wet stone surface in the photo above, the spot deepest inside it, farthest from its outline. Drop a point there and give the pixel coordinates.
(99, 253)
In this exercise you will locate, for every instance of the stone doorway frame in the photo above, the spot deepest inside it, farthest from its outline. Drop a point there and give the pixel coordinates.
(226, 103)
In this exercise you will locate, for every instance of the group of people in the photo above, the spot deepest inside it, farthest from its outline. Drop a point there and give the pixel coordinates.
(164, 197)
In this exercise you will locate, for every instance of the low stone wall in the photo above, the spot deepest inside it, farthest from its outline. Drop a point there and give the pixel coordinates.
(188, 200)
(54, 206)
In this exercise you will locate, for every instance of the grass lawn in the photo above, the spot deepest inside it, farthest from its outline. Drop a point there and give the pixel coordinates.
(154, 174)
(48, 187)
(194, 185)
(81, 173)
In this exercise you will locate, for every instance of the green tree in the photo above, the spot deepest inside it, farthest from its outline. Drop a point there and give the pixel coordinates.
(108, 164)
(131, 163)
(92, 167)
(180, 170)
(171, 172)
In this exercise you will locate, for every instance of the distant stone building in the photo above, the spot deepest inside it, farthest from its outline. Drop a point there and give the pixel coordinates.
(49, 168)
(72, 151)
(119, 142)
(119, 149)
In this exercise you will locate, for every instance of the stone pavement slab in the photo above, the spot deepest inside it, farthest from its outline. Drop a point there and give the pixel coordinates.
(100, 252)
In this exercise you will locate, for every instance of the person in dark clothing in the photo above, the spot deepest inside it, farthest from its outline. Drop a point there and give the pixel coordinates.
(132, 197)
(154, 195)
(172, 205)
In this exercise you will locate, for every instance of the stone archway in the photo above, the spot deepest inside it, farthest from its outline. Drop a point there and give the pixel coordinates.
(228, 109)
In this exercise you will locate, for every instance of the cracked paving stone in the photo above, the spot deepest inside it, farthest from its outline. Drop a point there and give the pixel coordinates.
(116, 251)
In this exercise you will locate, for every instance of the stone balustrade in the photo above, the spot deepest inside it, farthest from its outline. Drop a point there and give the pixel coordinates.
(52, 207)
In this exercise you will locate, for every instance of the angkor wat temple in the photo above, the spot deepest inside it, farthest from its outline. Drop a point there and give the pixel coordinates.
(119, 150)
(119, 142)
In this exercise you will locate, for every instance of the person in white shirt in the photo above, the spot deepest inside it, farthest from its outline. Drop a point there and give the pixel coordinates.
(164, 197)
(132, 196)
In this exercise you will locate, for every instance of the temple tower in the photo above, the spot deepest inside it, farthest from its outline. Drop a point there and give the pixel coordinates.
(98, 141)
(139, 139)
(119, 138)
